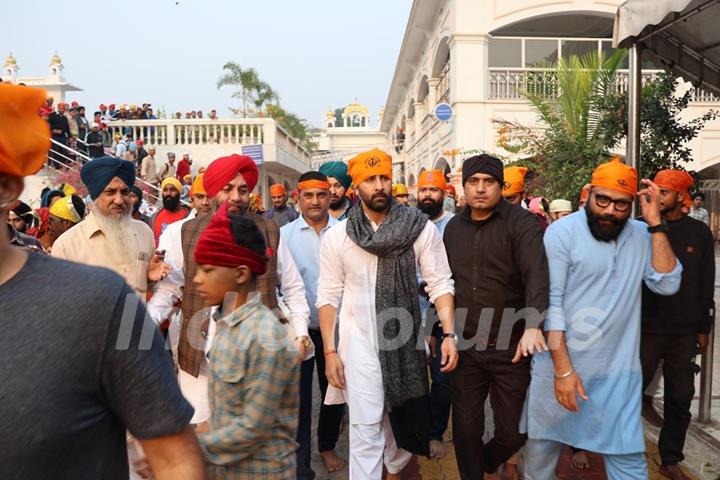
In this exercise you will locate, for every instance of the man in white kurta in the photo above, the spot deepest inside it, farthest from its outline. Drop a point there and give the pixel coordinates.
(349, 272)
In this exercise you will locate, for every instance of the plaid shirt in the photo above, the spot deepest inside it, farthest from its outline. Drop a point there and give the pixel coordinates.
(254, 397)
(195, 312)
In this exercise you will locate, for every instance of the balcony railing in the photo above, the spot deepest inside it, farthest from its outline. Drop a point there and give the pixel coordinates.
(510, 83)
(173, 132)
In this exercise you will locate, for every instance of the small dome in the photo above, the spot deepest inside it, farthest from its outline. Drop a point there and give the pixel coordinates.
(330, 114)
(10, 61)
(55, 60)
(356, 108)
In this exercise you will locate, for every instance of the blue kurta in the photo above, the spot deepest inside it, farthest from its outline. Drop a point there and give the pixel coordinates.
(595, 298)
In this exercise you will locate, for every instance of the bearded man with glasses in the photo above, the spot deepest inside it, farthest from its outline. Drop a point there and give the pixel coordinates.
(586, 392)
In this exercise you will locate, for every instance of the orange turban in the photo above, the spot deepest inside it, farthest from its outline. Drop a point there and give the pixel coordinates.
(197, 185)
(24, 135)
(514, 180)
(677, 181)
(277, 190)
(368, 164)
(432, 178)
(617, 176)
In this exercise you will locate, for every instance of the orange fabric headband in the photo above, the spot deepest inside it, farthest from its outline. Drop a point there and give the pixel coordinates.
(432, 178)
(617, 176)
(308, 184)
(277, 189)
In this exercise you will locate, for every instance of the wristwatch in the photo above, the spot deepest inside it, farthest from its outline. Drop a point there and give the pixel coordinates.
(450, 335)
(661, 227)
(305, 341)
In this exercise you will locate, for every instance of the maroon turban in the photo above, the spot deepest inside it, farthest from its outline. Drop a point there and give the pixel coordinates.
(217, 246)
(222, 170)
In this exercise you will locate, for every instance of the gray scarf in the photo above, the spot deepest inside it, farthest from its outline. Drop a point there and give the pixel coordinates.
(404, 367)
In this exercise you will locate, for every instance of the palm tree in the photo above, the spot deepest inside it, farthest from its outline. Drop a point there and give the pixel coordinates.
(246, 78)
(264, 94)
(568, 97)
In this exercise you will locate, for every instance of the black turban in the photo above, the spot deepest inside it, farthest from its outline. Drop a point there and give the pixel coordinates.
(23, 211)
(97, 173)
(484, 163)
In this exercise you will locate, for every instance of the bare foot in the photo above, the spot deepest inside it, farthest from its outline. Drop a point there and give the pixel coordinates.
(333, 463)
(510, 472)
(437, 449)
(650, 414)
(580, 460)
(673, 472)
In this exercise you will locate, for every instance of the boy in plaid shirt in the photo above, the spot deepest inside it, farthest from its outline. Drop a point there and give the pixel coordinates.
(254, 376)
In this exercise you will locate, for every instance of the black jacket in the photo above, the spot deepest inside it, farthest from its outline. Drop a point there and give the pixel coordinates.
(691, 310)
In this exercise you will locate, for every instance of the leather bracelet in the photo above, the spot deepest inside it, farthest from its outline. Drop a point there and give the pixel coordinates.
(331, 352)
(564, 375)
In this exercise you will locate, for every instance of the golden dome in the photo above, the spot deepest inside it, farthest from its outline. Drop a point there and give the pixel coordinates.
(356, 108)
(10, 61)
(330, 114)
(382, 113)
(55, 60)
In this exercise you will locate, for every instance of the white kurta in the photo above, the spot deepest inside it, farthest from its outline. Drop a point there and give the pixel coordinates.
(349, 272)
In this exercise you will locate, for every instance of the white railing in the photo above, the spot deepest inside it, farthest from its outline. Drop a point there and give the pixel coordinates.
(173, 132)
(510, 83)
(443, 88)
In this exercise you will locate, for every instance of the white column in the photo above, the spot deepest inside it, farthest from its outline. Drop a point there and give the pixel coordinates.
(419, 116)
(469, 83)
(432, 94)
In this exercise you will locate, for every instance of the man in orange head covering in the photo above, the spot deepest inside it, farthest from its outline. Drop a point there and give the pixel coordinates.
(514, 189)
(227, 180)
(280, 213)
(139, 391)
(675, 328)
(598, 260)
(431, 194)
(377, 253)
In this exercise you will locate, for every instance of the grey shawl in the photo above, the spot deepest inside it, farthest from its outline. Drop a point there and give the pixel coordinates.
(403, 365)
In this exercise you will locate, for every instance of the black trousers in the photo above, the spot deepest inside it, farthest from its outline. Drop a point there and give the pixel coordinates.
(678, 355)
(478, 375)
(330, 415)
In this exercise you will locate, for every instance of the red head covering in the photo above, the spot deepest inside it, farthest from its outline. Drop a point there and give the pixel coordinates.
(139, 141)
(74, 104)
(450, 189)
(217, 246)
(222, 170)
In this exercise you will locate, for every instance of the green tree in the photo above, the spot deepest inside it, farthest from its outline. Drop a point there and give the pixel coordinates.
(252, 90)
(296, 127)
(567, 98)
(664, 136)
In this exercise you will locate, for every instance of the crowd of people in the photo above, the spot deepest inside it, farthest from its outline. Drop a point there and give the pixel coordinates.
(190, 353)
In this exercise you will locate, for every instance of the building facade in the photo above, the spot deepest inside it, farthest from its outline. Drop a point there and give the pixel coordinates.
(54, 83)
(476, 57)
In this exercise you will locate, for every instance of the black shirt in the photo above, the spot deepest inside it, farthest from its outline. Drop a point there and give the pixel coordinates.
(498, 263)
(58, 122)
(78, 367)
(93, 150)
(691, 309)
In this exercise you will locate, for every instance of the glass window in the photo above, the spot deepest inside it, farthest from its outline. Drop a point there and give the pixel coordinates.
(540, 52)
(608, 50)
(505, 52)
(578, 47)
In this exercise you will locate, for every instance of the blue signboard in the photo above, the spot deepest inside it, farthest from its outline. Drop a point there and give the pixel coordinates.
(255, 152)
(443, 112)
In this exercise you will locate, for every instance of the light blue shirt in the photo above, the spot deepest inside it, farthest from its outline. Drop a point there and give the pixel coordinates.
(595, 297)
(304, 245)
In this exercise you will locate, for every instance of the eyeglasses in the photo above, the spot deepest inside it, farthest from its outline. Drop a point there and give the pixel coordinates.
(604, 201)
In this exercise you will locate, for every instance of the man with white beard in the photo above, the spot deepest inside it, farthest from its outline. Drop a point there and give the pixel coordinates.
(109, 237)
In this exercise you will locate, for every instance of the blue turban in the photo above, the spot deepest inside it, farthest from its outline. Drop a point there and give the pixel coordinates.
(48, 196)
(97, 173)
(337, 170)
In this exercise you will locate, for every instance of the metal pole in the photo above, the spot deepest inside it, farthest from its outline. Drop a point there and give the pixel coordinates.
(632, 156)
(706, 374)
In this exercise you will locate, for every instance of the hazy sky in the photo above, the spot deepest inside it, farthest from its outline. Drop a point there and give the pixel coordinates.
(315, 53)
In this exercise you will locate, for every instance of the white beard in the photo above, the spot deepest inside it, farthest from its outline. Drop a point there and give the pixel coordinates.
(119, 235)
